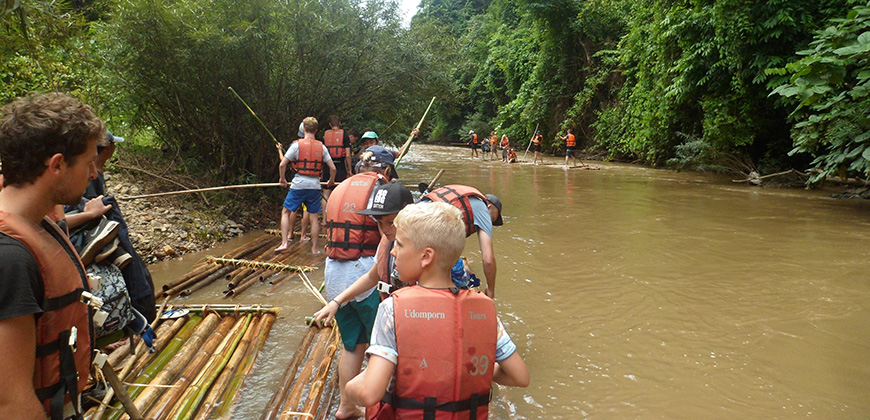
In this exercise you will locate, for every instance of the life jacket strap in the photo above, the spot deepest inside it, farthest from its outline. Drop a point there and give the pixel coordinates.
(68, 383)
(430, 405)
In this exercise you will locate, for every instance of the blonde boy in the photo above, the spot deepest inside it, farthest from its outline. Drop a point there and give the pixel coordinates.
(412, 355)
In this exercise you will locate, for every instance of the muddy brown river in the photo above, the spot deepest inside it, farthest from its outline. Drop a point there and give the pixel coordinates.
(636, 293)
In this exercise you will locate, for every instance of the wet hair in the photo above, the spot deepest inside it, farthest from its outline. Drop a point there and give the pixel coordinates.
(334, 121)
(38, 126)
(434, 225)
(310, 124)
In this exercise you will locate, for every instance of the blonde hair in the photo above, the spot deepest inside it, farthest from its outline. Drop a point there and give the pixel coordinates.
(310, 124)
(434, 225)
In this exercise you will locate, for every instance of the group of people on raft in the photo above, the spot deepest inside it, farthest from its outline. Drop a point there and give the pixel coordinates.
(398, 290)
(508, 155)
(50, 146)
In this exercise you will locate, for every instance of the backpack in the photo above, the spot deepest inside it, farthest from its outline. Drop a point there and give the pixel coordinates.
(116, 301)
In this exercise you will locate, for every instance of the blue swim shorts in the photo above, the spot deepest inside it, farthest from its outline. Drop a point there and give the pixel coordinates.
(295, 198)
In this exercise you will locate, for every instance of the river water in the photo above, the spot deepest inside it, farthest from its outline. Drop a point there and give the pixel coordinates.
(640, 293)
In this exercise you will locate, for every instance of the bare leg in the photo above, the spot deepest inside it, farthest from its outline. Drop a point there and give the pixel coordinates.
(349, 365)
(315, 233)
(288, 221)
(306, 219)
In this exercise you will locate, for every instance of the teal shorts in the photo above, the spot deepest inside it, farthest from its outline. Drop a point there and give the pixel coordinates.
(356, 320)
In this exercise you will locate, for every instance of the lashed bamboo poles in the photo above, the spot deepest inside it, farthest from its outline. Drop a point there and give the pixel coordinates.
(313, 400)
(162, 359)
(321, 347)
(179, 360)
(325, 408)
(221, 407)
(166, 401)
(194, 395)
(273, 408)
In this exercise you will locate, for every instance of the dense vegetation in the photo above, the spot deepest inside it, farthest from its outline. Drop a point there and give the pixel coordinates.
(724, 85)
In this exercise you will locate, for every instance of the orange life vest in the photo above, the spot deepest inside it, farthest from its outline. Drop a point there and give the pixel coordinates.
(334, 141)
(458, 196)
(351, 235)
(493, 140)
(505, 142)
(446, 343)
(538, 139)
(474, 138)
(310, 159)
(571, 140)
(61, 371)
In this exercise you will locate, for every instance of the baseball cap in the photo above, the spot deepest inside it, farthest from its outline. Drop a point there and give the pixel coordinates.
(369, 135)
(497, 203)
(378, 155)
(111, 138)
(301, 132)
(389, 198)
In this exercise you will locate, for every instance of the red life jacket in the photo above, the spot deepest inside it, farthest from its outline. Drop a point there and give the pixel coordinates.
(474, 138)
(505, 142)
(310, 159)
(458, 195)
(571, 140)
(61, 371)
(334, 141)
(538, 139)
(493, 140)
(351, 235)
(446, 344)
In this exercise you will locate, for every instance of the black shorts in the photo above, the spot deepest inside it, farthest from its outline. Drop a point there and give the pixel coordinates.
(569, 152)
(536, 147)
(474, 146)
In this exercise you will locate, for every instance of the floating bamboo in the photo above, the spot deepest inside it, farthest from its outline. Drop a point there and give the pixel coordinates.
(273, 408)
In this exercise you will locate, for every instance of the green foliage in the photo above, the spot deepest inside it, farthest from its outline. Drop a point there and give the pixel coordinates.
(832, 85)
(288, 60)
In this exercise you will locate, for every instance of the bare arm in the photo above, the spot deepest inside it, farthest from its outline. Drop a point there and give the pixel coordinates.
(94, 208)
(369, 387)
(18, 347)
(365, 282)
(511, 372)
(488, 257)
(347, 159)
(281, 169)
(331, 181)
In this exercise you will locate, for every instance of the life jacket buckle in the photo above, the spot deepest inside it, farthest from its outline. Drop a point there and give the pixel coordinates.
(385, 287)
(100, 318)
(91, 300)
(73, 338)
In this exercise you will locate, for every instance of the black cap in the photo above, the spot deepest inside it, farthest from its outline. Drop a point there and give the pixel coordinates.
(389, 198)
(497, 203)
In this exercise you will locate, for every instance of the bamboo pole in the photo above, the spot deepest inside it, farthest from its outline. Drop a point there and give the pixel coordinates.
(162, 359)
(325, 408)
(434, 180)
(116, 385)
(228, 396)
(530, 142)
(186, 409)
(220, 188)
(259, 264)
(273, 407)
(179, 328)
(295, 396)
(166, 401)
(317, 386)
(405, 147)
(185, 353)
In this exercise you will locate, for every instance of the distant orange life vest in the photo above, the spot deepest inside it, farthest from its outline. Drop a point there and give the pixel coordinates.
(310, 159)
(493, 140)
(446, 344)
(351, 235)
(61, 372)
(538, 139)
(571, 140)
(458, 196)
(334, 141)
(505, 142)
(474, 138)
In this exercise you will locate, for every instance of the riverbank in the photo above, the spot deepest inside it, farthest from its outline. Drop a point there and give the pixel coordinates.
(163, 228)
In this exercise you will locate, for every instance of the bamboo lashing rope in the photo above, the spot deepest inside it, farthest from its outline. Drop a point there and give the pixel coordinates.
(259, 264)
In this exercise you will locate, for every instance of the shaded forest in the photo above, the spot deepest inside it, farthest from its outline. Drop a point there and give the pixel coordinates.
(728, 86)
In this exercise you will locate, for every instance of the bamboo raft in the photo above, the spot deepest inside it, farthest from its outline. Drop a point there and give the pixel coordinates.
(203, 358)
